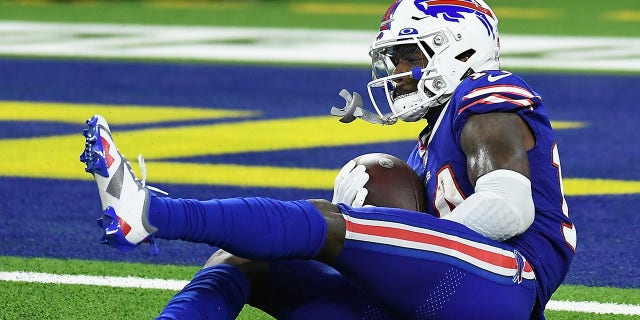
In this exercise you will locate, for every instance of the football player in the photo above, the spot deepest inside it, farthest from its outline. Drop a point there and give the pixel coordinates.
(498, 240)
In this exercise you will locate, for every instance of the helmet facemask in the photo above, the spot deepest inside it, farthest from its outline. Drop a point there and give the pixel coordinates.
(410, 92)
(455, 39)
(433, 87)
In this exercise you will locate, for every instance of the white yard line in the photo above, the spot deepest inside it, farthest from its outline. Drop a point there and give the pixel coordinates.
(176, 285)
(287, 45)
(118, 282)
(594, 307)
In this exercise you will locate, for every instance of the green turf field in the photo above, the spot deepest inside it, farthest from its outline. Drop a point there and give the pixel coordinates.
(30, 299)
(593, 18)
(73, 301)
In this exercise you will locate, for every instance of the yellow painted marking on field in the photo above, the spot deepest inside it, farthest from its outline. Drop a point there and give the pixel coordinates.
(241, 175)
(584, 187)
(526, 13)
(560, 125)
(379, 9)
(626, 16)
(34, 2)
(199, 4)
(116, 114)
(65, 165)
(57, 156)
(49, 2)
(262, 135)
(309, 178)
(339, 8)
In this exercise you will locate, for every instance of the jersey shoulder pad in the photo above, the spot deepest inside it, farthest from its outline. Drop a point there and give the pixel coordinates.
(494, 90)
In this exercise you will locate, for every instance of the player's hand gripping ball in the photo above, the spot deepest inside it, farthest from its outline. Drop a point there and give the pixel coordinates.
(379, 179)
(392, 183)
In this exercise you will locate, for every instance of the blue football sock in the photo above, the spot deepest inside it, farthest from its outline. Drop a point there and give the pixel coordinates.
(254, 228)
(218, 292)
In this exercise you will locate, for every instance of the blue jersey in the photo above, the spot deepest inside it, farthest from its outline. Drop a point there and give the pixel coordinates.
(549, 243)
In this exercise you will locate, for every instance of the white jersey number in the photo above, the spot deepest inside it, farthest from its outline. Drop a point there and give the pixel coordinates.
(568, 230)
(448, 196)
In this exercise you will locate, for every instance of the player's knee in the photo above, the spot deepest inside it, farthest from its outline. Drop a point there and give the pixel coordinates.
(255, 271)
(223, 257)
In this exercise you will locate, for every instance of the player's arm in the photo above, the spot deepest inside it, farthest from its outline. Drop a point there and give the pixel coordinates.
(496, 146)
(496, 140)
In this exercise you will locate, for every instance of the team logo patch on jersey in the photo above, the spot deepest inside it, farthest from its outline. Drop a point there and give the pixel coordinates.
(452, 10)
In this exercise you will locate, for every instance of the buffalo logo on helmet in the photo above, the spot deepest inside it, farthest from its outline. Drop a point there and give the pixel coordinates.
(451, 10)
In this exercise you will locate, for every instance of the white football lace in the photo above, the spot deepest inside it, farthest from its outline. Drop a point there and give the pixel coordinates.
(143, 171)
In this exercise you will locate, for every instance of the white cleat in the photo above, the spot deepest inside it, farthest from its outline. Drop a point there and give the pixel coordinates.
(125, 199)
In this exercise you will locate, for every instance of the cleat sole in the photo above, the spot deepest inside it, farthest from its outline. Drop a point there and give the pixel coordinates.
(93, 155)
(112, 231)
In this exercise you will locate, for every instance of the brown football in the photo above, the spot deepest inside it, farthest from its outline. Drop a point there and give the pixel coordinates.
(392, 183)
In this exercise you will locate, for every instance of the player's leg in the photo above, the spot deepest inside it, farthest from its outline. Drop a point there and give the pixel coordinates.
(433, 268)
(301, 289)
(268, 229)
(215, 292)
(256, 228)
(308, 289)
(132, 214)
(442, 262)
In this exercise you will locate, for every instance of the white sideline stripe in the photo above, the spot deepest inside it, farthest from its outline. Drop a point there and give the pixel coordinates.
(594, 307)
(103, 40)
(119, 282)
(176, 285)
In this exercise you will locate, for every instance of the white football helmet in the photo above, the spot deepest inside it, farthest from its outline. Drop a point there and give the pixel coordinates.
(458, 38)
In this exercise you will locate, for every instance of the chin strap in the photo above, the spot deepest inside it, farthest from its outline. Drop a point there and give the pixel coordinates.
(353, 109)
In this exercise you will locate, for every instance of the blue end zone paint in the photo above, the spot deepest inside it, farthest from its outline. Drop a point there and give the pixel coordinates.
(13, 130)
(306, 158)
(278, 91)
(57, 219)
(610, 146)
(608, 242)
(54, 218)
